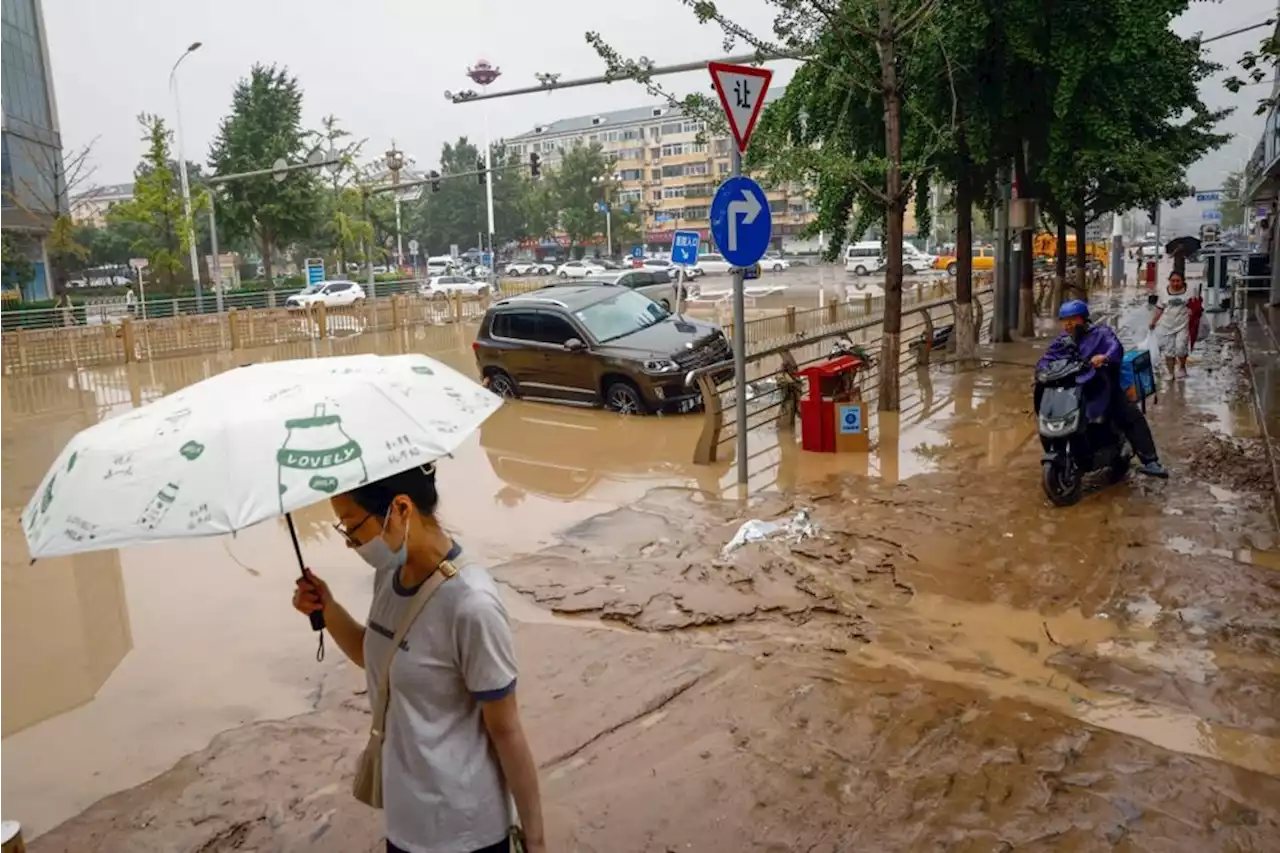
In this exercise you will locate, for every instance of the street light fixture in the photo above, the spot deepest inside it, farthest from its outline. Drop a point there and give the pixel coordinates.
(182, 173)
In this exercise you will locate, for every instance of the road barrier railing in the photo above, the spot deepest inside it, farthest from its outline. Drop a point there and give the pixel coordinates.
(772, 383)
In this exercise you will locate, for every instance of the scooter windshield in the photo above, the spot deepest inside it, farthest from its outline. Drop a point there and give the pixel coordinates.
(1061, 403)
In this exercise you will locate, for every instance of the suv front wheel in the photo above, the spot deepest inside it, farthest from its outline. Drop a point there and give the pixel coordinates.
(624, 398)
(503, 385)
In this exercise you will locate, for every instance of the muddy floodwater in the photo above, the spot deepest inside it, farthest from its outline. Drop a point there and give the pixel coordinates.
(944, 661)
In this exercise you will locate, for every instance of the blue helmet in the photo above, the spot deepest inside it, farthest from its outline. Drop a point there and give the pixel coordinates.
(1074, 308)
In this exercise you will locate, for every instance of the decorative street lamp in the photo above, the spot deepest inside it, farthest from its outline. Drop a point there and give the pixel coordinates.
(394, 160)
(483, 74)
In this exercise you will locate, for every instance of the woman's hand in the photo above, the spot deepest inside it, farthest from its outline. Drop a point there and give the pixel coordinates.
(1098, 360)
(311, 594)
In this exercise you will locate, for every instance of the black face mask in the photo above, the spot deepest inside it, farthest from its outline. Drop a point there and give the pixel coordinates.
(1078, 332)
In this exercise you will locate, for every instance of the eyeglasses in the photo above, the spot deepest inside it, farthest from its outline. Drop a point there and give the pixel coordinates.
(349, 533)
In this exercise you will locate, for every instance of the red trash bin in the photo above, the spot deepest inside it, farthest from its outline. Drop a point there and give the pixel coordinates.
(828, 383)
(1149, 274)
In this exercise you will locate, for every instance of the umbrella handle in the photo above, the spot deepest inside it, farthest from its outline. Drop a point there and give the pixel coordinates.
(316, 616)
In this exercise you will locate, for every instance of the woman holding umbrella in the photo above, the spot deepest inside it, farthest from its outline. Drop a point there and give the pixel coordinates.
(260, 441)
(453, 740)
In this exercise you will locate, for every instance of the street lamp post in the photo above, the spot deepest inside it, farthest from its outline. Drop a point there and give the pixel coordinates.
(182, 172)
(606, 206)
(395, 162)
(483, 74)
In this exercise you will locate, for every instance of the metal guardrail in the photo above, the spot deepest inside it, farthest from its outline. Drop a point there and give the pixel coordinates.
(130, 338)
(776, 404)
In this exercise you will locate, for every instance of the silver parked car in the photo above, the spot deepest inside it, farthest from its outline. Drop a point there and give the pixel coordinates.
(655, 284)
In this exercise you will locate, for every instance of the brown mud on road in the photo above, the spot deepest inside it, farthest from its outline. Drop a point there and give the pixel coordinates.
(948, 664)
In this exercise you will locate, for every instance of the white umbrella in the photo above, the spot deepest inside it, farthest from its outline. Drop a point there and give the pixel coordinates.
(247, 445)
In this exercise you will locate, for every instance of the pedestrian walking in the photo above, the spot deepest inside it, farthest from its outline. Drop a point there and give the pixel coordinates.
(1173, 320)
(66, 308)
(130, 302)
(442, 682)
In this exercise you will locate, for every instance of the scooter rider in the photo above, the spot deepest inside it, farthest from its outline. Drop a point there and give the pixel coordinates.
(1099, 345)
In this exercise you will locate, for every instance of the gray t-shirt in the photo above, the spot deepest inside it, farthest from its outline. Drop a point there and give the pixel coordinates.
(443, 789)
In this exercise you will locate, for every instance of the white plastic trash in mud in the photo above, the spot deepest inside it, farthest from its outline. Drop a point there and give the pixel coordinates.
(796, 528)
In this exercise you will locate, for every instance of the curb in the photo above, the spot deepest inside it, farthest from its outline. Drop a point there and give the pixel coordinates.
(1267, 438)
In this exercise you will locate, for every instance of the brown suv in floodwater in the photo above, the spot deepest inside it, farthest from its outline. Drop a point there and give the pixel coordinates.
(595, 345)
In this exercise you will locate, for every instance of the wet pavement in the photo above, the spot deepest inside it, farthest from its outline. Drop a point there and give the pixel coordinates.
(950, 663)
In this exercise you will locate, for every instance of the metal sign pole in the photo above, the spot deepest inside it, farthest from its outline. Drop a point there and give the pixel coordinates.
(740, 352)
(215, 268)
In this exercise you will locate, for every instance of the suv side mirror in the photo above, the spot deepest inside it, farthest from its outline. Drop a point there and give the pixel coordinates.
(574, 345)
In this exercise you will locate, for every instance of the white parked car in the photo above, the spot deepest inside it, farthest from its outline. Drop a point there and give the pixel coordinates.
(580, 269)
(444, 286)
(521, 268)
(711, 263)
(776, 263)
(331, 294)
(656, 264)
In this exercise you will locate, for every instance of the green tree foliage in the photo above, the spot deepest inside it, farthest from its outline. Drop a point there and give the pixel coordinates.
(1127, 116)
(265, 124)
(1257, 68)
(18, 269)
(582, 179)
(458, 212)
(344, 225)
(1233, 204)
(154, 217)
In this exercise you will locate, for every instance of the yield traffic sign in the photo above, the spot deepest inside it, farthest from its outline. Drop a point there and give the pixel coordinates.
(741, 89)
(740, 221)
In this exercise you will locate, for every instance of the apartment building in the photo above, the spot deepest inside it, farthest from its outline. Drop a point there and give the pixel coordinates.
(90, 207)
(664, 172)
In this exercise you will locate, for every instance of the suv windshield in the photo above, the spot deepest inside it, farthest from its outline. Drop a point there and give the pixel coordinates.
(620, 315)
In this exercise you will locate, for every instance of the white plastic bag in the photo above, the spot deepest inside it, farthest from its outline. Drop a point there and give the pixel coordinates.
(1151, 343)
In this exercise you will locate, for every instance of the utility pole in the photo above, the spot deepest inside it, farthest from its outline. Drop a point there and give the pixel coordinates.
(1117, 251)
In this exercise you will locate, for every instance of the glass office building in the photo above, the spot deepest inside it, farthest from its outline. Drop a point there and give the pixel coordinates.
(34, 180)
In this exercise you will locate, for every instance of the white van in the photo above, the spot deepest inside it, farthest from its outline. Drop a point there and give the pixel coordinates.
(863, 258)
(441, 265)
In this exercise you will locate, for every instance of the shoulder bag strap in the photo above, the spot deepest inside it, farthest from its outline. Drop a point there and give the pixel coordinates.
(446, 570)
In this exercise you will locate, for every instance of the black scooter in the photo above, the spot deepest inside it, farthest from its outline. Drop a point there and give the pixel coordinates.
(1073, 447)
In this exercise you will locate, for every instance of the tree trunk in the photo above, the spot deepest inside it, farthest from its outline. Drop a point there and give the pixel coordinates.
(1027, 272)
(1060, 266)
(890, 336)
(966, 336)
(1082, 255)
(265, 238)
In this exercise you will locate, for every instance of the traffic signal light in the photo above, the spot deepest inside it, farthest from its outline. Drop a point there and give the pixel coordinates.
(480, 171)
(435, 181)
(535, 165)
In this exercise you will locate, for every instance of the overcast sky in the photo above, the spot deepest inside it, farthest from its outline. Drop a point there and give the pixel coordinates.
(382, 66)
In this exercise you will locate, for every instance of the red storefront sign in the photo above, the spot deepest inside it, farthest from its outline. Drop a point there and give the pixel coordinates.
(665, 237)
